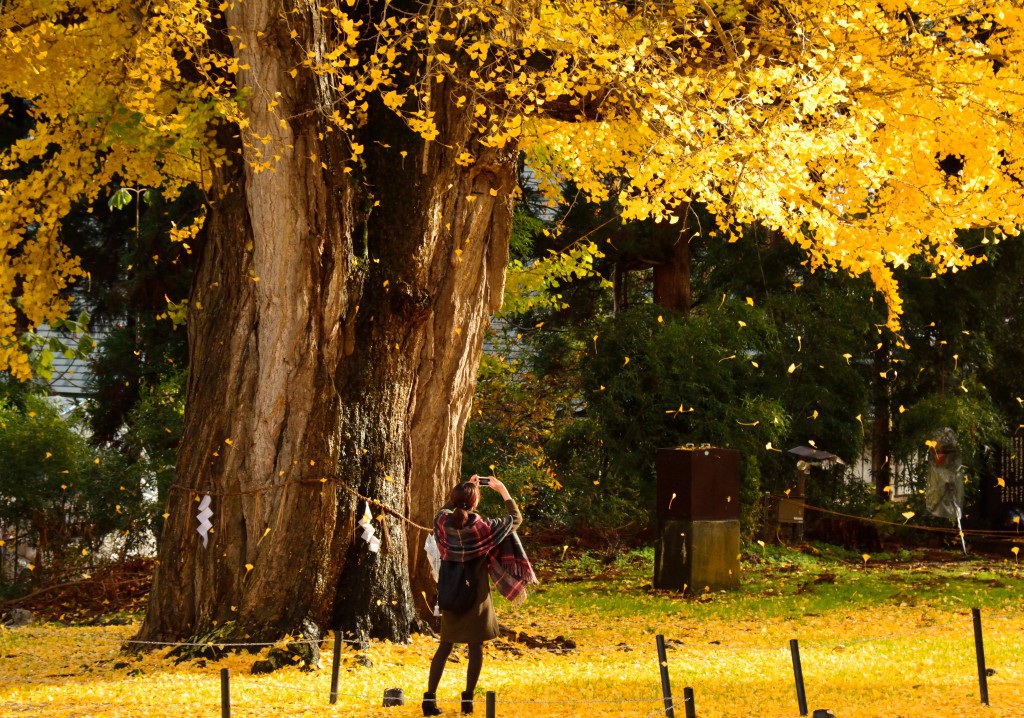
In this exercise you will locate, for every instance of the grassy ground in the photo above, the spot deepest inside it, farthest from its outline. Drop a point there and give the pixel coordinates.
(891, 636)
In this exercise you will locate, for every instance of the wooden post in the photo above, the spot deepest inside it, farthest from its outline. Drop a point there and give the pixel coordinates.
(979, 650)
(666, 690)
(335, 667)
(492, 700)
(798, 675)
(691, 709)
(225, 693)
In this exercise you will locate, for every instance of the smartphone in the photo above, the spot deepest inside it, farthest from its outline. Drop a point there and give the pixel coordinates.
(485, 480)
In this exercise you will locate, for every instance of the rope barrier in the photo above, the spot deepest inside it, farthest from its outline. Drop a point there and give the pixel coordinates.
(206, 644)
(934, 529)
(681, 703)
(266, 681)
(587, 701)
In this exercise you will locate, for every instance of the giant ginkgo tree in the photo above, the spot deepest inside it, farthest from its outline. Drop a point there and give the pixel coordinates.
(359, 163)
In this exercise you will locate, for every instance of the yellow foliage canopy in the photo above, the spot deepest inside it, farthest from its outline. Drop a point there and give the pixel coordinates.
(869, 135)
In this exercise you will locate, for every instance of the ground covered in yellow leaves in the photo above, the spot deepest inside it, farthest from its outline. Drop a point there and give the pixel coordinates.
(892, 639)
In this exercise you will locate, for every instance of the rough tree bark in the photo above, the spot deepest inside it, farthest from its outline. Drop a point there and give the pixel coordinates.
(335, 327)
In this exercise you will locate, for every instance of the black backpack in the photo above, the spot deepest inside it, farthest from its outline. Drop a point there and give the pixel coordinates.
(456, 586)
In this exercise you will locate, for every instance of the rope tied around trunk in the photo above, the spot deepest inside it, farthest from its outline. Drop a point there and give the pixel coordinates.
(323, 481)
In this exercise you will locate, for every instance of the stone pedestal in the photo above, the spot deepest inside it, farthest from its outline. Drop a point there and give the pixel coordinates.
(695, 554)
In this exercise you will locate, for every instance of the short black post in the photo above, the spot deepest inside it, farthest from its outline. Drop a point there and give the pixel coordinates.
(691, 709)
(225, 693)
(336, 666)
(492, 700)
(979, 649)
(798, 674)
(666, 690)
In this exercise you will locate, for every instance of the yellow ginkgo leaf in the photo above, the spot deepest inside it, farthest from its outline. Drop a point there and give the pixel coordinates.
(1001, 482)
(865, 556)
(625, 362)
(248, 567)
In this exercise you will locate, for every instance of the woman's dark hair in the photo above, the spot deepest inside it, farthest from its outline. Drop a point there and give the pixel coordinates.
(461, 500)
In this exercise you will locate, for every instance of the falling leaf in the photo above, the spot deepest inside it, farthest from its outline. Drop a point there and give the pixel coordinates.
(248, 567)
(1001, 482)
(908, 515)
(792, 368)
(661, 319)
(625, 362)
(865, 556)
(847, 357)
(750, 301)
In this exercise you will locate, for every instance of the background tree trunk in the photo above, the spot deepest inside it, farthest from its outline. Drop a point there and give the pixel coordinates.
(335, 329)
(881, 467)
(672, 278)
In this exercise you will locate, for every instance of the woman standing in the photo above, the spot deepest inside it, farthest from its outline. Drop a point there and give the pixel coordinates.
(492, 549)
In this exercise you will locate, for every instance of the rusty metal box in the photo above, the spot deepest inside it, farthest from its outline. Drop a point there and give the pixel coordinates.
(698, 484)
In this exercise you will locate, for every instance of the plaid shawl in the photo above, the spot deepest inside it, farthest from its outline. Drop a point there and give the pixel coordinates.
(507, 563)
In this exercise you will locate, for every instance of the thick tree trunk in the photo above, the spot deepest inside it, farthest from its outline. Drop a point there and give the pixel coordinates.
(442, 239)
(336, 324)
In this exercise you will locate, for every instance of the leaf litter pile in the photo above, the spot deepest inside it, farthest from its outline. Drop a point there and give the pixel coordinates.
(877, 638)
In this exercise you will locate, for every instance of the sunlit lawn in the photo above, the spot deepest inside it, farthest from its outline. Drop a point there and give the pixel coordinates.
(876, 640)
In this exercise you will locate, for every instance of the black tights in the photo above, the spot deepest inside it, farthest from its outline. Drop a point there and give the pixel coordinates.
(444, 649)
